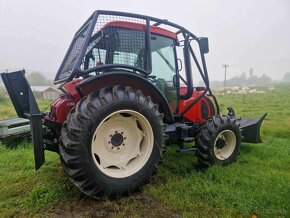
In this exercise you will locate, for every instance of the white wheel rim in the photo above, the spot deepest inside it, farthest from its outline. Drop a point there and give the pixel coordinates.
(227, 150)
(122, 143)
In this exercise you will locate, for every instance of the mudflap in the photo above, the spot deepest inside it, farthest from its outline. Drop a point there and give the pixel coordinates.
(250, 127)
(26, 107)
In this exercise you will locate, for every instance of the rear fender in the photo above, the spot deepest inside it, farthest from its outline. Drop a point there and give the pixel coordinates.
(127, 79)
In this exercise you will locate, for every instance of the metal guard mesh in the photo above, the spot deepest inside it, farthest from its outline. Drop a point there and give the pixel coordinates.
(133, 42)
(73, 54)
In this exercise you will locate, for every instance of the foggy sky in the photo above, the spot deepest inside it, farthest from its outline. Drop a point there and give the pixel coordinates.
(36, 34)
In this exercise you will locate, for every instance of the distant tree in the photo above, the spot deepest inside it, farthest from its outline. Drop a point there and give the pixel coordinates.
(234, 81)
(37, 79)
(252, 80)
(286, 76)
(243, 79)
(264, 79)
(251, 72)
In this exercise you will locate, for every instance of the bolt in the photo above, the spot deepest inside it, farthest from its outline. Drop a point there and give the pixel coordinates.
(116, 131)
(122, 133)
(109, 142)
(112, 147)
(118, 148)
(123, 144)
(111, 136)
(124, 138)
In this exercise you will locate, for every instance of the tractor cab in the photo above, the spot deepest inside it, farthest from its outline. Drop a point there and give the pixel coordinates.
(120, 42)
(158, 51)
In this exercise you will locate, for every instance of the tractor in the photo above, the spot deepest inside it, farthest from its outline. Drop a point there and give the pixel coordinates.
(127, 93)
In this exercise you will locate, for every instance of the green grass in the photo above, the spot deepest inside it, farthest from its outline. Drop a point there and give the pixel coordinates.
(258, 182)
(7, 110)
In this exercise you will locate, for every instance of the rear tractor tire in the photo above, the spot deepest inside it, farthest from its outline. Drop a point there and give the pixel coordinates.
(218, 142)
(112, 142)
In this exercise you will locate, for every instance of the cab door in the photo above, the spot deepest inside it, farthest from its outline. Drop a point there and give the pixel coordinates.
(164, 68)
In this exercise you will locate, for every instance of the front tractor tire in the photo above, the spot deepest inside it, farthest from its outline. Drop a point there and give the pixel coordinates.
(112, 142)
(218, 141)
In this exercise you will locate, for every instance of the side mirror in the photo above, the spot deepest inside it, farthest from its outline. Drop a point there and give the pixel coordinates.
(203, 45)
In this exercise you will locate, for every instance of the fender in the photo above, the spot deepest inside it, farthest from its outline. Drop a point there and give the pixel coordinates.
(127, 79)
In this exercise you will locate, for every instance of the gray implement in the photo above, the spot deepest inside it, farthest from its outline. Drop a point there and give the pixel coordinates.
(13, 127)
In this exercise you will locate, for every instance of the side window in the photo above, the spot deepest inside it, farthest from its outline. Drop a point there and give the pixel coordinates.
(98, 56)
(164, 67)
(163, 63)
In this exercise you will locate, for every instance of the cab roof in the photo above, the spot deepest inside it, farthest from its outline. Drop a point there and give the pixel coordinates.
(142, 27)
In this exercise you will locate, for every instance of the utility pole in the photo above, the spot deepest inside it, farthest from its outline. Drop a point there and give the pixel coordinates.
(225, 82)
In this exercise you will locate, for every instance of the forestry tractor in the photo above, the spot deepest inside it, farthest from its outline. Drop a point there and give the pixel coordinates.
(127, 93)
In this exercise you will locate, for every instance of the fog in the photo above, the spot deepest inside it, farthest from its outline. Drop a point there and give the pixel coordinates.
(243, 34)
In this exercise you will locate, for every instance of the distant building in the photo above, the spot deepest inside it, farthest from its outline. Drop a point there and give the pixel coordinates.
(51, 93)
(39, 88)
(40, 92)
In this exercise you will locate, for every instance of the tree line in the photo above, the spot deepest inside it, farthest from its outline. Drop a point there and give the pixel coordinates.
(244, 80)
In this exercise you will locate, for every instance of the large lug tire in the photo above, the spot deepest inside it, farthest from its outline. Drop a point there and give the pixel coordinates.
(218, 141)
(112, 142)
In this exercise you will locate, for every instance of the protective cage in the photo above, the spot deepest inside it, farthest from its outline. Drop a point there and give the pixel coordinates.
(72, 64)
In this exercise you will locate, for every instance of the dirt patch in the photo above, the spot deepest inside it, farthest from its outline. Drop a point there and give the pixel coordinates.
(138, 205)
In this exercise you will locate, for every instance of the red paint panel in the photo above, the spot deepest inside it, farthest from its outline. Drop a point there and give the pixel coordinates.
(60, 108)
(142, 27)
(194, 114)
(70, 87)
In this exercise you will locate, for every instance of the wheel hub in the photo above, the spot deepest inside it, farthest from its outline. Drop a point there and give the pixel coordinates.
(117, 139)
(225, 144)
(116, 153)
(220, 143)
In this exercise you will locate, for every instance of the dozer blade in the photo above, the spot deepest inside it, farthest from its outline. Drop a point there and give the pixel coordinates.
(251, 129)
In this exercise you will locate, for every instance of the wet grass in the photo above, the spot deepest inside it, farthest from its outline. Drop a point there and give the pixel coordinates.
(257, 183)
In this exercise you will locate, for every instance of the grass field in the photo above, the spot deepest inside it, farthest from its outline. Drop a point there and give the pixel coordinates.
(257, 183)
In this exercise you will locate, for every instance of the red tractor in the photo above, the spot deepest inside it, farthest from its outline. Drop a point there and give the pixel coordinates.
(125, 98)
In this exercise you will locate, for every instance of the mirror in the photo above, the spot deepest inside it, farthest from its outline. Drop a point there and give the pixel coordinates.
(203, 44)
